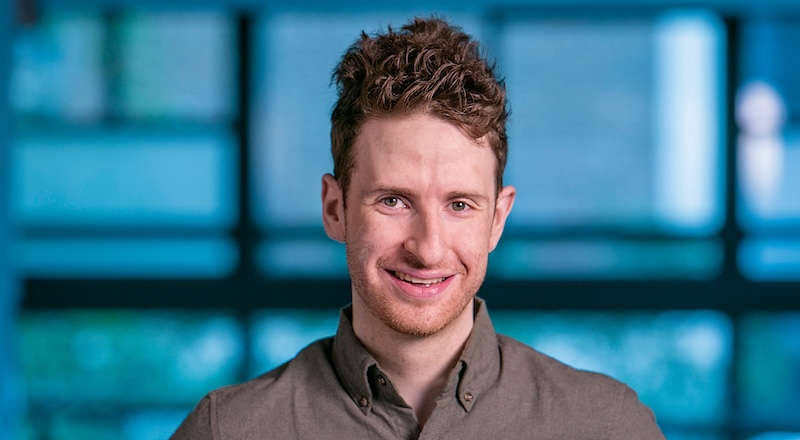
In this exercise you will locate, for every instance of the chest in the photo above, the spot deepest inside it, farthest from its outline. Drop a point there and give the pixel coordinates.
(505, 417)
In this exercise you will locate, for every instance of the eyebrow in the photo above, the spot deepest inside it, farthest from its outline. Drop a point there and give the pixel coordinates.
(372, 190)
(477, 197)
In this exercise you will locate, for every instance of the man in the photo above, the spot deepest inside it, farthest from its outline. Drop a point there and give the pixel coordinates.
(419, 146)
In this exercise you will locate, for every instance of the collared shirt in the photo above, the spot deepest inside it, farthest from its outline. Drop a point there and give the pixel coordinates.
(500, 388)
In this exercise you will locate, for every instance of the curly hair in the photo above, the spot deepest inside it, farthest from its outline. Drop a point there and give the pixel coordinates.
(428, 66)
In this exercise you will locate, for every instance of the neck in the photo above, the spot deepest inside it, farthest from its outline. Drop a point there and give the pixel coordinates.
(418, 366)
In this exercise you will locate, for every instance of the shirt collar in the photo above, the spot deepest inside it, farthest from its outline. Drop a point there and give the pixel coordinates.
(352, 362)
(480, 361)
(477, 370)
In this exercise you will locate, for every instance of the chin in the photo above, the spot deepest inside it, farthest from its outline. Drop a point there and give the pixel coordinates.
(417, 318)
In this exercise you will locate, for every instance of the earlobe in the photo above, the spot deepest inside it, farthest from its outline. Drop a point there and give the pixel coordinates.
(332, 208)
(505, 201)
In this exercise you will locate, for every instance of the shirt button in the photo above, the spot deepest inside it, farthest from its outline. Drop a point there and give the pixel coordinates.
(363, 402)
(381, 380)
(468, 397)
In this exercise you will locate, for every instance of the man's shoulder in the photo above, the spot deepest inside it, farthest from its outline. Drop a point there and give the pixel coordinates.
(249, 409)
(306, 368)
(578, 403)
(549, 374)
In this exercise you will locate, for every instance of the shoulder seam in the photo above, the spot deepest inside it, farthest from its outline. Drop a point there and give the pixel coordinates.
(212, 416)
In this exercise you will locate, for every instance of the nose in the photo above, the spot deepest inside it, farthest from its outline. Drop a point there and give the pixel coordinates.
(426, 239)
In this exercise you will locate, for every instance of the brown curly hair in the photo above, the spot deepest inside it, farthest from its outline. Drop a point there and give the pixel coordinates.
(428, 66)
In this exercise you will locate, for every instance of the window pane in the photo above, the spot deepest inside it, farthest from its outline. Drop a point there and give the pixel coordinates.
(125, 357)
(606, 259)
(765, 260)
(678, 362)
(308, 258)
(137, 424)
(151, 425)
(616, 121)
(672, 433)
(127, 257)
(769, 372)
(767, 113)
(125, 179)
(178, 64)
(278, 335)
(58, 68)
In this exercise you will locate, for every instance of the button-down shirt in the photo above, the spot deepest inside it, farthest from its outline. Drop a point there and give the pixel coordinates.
(500, 388)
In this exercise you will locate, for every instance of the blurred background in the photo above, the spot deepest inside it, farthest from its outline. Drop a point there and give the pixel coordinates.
(160, 228)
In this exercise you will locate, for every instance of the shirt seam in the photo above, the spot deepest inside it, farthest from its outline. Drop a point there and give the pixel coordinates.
(615, 418)
(212, 416)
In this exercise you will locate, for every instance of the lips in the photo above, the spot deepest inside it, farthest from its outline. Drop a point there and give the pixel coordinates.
(427, 282)
(420, 288)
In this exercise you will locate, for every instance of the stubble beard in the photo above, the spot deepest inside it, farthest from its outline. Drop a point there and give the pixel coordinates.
(410, 317)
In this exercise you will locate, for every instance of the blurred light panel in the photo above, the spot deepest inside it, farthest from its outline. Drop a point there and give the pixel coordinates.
(767, 112)
(689, 113)
(302, 257)
(171, 258)
(673, 433)
(179, 65)
(278, 335)
(768, 45)
(152, 424)
(76, 358)
(770, 259)
(125, 179)
(630, 84)
(678, 362)
(769, 374)
(606, 259)
(110, 424)
(58, 68)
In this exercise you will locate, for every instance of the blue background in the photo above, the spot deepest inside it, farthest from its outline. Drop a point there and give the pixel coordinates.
(159, 214)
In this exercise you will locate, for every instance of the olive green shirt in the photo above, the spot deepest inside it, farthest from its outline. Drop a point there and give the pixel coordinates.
(500, 388)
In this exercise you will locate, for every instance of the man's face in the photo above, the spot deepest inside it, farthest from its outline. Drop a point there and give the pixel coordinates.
(422, 216)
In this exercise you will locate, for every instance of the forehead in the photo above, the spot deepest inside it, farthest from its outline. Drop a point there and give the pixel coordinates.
(414, 145)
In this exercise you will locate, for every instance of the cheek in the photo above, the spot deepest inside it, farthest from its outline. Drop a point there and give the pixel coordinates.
(474, 234)
(471, 244)
(474, 257)
(371, 235)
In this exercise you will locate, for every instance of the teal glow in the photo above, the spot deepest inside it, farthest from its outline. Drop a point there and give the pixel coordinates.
(143, 258)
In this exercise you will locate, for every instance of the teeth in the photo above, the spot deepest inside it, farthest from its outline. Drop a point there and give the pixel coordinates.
(410, 279)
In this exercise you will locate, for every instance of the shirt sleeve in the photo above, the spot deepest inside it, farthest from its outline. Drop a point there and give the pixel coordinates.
(634, 419)
(197, 424)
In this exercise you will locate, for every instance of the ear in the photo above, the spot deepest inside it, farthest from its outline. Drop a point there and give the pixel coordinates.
(332, 208)
(505, 201)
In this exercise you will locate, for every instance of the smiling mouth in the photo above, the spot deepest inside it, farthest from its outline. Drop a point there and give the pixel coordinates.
(418, 281)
